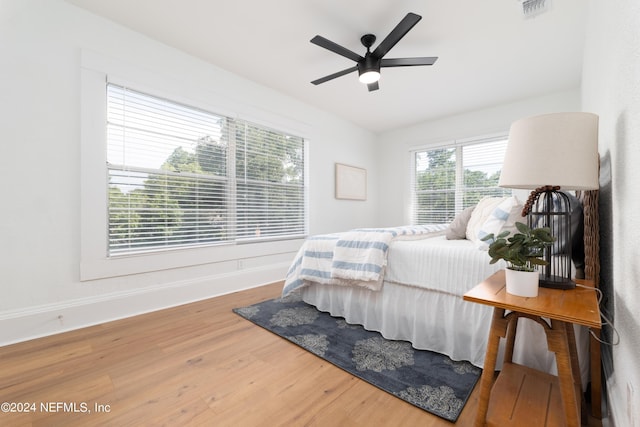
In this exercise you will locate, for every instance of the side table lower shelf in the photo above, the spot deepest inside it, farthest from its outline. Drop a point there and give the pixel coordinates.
(522, 395)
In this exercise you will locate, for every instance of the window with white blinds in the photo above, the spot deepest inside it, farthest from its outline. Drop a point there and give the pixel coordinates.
(183, 177)
(448, 179)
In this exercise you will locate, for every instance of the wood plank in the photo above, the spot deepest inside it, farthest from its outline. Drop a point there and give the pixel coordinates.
(522, 396)
(197, 364)
(577, 305)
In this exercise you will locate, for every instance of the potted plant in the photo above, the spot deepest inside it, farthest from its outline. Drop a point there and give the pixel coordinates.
(523, 252)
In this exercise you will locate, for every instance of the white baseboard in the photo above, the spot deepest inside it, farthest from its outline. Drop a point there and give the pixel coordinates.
(50, 319)
(619, 409)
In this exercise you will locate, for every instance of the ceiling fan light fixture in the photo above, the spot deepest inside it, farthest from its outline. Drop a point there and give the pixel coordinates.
(369, 76)
(369, 69)
(369, 65)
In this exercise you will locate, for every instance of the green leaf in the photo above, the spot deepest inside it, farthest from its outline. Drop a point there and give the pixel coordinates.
(523, 228)
(537, 261)
(503, 234)
(487, 237)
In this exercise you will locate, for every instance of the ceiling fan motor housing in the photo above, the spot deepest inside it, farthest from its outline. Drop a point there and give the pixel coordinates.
(369, 63)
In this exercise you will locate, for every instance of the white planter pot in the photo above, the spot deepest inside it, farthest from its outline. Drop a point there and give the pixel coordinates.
(522, 283)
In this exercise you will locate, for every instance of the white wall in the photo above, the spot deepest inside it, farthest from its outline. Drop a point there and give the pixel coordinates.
(40, 55)
(611, 88)
(393, 147)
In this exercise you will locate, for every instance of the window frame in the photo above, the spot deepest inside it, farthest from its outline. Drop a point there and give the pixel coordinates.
(146, 131)
(95, 72)
(458, 145)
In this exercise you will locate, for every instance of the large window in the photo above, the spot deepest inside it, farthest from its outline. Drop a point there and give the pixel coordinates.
(183, 177)
(447, 179)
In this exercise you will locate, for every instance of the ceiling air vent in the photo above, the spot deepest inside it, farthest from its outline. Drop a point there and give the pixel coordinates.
(532, 8)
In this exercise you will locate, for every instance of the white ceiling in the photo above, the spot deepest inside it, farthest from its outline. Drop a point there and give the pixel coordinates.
(489, 54)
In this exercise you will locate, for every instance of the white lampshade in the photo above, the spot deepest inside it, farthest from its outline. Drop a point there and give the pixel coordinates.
(552, 149)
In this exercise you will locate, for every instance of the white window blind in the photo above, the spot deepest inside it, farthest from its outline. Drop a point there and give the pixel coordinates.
(269, 183)
(182, 177)
(448, 179)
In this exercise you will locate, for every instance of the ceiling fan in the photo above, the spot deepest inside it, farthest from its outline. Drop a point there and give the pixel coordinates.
(369, 65)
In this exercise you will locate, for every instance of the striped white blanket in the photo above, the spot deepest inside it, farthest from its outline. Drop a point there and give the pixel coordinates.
(354, 258)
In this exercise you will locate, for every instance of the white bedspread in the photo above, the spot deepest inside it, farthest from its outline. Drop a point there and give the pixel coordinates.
(355, 258)
(421, 301)
(449, 266)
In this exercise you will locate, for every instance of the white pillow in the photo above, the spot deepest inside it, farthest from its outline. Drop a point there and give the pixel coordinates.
(480, 214)
(503, 217)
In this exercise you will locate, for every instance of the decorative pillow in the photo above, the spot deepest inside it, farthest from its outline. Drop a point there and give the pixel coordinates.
(457, 230)
(479, 216)
(503, 217)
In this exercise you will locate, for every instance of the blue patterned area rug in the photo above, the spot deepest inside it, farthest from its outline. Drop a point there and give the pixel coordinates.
(428, 380)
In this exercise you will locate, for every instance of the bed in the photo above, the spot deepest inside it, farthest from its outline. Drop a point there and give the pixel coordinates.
(414, 290)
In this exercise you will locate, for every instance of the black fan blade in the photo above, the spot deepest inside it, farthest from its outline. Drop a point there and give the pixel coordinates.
(334, 75)
(373, 86)
(408, 62)
(396, 34)
(336, 48)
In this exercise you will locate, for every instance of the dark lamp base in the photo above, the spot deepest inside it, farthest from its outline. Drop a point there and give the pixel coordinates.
(556, 282)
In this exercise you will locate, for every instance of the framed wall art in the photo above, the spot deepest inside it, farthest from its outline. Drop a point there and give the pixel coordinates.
(351, 182)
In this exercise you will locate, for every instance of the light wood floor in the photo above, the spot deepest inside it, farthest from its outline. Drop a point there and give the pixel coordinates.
(197, 364)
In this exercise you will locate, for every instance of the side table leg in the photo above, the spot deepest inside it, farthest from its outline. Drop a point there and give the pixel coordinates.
(596, 375)
(512, 326)
(575, 368)
(498, 329)
(559, 343)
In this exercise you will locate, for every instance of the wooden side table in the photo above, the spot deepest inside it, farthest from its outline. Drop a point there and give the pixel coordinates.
(521, 395)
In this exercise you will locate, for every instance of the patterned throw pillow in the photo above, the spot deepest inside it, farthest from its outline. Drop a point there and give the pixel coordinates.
(503, 217)
(480, 215)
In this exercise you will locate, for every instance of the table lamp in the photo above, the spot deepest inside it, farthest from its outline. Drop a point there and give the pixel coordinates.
(547, 153)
